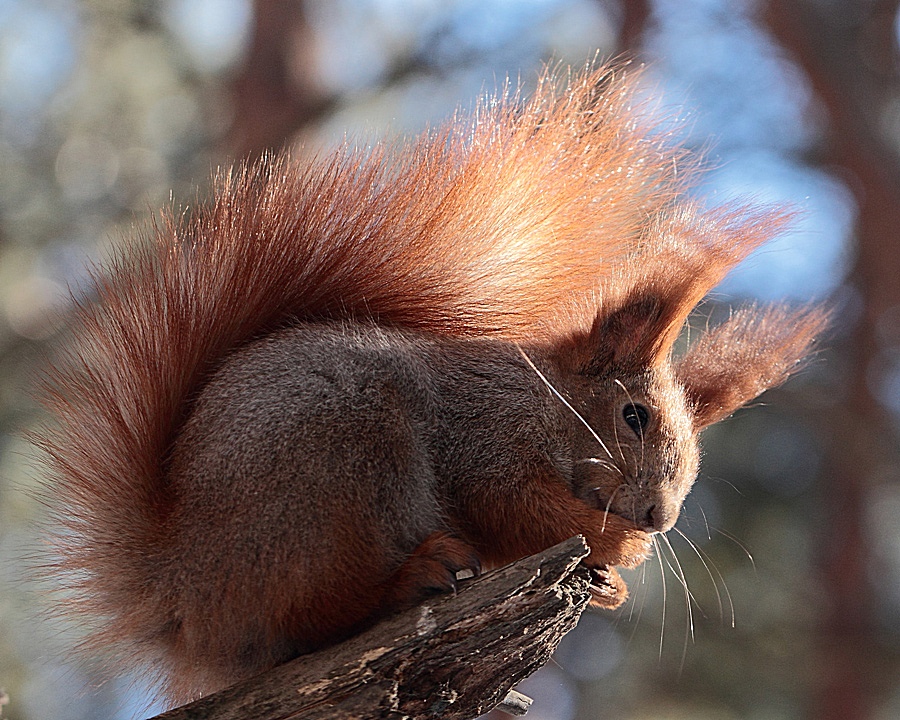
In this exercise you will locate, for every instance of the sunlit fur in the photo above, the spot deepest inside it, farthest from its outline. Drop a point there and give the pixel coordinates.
(555, 226)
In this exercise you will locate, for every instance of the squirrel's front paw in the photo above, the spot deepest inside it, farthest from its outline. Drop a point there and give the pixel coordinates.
(631, 548)
(608, 589)
(432, 569)
(617, 542)
(634, 548)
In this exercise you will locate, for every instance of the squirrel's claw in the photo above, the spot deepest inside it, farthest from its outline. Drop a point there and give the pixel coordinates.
(432, 570)
(608, 589)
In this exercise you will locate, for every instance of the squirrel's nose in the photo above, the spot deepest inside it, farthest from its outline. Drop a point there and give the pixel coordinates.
(656, 517)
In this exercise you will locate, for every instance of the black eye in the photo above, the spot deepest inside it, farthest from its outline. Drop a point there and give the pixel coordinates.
(637, 417)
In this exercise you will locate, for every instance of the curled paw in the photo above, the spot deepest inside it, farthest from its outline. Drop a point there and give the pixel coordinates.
(608, 589)
(618, 542)
(432, 569)
(634, 548)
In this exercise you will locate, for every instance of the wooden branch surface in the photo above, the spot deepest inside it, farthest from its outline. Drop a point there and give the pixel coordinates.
(455, 657)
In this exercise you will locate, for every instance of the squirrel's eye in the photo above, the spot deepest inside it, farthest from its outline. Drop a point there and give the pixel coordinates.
(637, 417)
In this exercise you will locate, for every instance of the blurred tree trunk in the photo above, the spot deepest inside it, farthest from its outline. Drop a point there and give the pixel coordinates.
(275, 92)
(848, 52)
(635, 14)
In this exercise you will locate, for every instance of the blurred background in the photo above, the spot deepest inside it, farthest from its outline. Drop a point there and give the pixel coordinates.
(780, 595)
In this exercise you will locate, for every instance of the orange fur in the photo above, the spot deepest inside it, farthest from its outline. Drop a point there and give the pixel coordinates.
(772, 340)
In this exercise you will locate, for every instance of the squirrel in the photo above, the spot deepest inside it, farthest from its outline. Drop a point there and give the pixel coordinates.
(316, 399)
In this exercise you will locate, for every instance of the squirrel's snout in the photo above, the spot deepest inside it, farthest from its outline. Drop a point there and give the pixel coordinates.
(656, 517)
(652, 514)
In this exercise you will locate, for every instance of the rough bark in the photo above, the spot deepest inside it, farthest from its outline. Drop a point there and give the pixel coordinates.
(456, 657)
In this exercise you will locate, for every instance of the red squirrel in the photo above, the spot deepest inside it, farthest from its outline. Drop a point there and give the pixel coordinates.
(315, 400)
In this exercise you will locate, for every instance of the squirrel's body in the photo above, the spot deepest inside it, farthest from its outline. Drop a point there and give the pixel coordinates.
(344, 432)
(314, 401)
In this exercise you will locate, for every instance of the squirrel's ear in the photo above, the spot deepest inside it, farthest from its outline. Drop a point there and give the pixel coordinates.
(752, 351)
(641, 331)
(648, 298)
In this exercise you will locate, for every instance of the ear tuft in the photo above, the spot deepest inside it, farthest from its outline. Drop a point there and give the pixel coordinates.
(754, 350)
(684, 254)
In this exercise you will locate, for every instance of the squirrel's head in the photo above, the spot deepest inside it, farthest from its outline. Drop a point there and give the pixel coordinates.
(636, 453)
(640, 457)
(635, 446)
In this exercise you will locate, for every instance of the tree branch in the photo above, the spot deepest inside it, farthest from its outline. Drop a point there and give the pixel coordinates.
(455, 657)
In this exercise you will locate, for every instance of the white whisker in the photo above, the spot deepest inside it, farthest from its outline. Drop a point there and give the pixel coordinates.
(643, 583)
(606, 511)
(662, 574)
(689, 599)
(598, 461)
(739, 544)
(565, 402)
(706, 523)
(707, 561)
